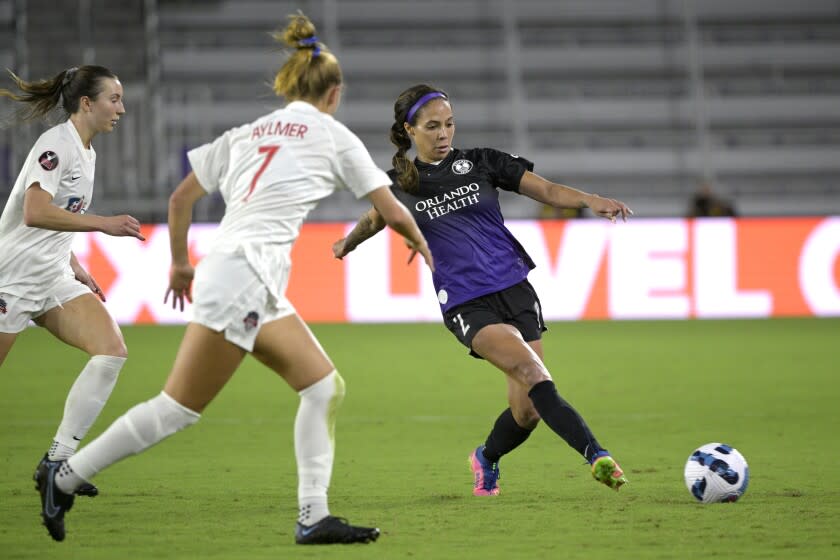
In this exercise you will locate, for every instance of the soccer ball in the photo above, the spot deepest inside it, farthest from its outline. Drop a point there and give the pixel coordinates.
(716, 472)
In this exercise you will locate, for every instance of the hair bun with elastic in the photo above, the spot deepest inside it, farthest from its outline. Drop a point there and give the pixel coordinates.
(310, 42)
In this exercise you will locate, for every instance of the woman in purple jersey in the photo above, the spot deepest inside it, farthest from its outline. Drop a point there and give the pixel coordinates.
(481, 271)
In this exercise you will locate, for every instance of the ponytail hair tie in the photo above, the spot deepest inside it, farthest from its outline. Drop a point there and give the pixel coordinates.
(68, 75)
(311, 42)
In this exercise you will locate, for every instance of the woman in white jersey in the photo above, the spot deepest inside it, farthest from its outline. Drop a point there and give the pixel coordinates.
(271, 173)
(40, 278)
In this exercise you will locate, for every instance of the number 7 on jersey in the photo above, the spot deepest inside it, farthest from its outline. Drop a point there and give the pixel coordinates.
(270, 151)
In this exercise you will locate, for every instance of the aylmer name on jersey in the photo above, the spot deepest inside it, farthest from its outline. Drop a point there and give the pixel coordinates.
(278, 128)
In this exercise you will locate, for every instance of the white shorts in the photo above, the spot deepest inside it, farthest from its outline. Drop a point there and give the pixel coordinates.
(229, 296)
(16, 312)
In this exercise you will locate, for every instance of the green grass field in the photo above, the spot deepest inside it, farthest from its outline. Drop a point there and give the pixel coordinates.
(416, 405)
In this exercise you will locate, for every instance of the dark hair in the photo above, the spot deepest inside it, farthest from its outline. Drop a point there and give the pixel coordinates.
(65, 89)
(311, 69)
(408, 179)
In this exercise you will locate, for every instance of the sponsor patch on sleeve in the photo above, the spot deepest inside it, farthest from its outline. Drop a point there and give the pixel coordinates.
(48, 160)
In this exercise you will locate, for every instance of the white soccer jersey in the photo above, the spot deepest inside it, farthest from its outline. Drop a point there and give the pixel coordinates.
(33, 259)
(272, 172)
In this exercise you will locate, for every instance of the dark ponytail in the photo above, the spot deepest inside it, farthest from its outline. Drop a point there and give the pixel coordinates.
(408, 178)
(64, 90)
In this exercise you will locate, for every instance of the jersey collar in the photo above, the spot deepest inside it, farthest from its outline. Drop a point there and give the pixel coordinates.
(442, 165)
(77, 140)
(302, 106)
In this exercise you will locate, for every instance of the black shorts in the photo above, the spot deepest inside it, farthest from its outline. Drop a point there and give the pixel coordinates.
(518, 306)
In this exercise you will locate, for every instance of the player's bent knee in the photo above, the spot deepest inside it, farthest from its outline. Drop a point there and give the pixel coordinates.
(117, 351)
(328, 391)
(121, 350)
(109, 346)
(117, 347)
(530, 372)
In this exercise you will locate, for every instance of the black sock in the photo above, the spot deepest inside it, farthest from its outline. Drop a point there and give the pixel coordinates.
(563, 419)
(505, 436)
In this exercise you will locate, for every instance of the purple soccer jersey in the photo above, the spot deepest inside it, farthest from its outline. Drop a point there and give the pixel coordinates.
(457, 209)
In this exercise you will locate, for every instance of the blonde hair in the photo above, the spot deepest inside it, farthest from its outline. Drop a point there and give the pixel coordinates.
(63, 90)
(311, 69)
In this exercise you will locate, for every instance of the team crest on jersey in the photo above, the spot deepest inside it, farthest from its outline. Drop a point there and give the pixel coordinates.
(48, 160)
(3, 308)
(251, 320)
(462, 167)
(75, 204)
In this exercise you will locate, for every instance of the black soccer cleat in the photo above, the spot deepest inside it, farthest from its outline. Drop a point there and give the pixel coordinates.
(54, 502)
(334, 530)
(86, 488)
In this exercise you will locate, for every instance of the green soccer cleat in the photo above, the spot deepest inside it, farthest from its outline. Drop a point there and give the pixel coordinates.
(606, 471)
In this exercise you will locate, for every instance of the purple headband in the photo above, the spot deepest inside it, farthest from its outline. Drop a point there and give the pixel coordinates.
(420, 102)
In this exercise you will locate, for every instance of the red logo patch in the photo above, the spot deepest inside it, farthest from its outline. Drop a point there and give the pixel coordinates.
(48, 160)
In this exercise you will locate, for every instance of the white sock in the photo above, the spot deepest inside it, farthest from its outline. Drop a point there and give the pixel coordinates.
(85, 401)
(59, 451)
(138, 429)
(67, 478)
(315, 445)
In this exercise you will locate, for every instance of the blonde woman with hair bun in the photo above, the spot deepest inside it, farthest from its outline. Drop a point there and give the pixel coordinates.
(271, 173)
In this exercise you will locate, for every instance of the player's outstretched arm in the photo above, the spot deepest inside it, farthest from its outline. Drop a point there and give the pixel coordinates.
(368, 225)
(394, 214)
(562, 196)
(400, 220)
(38, 211)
